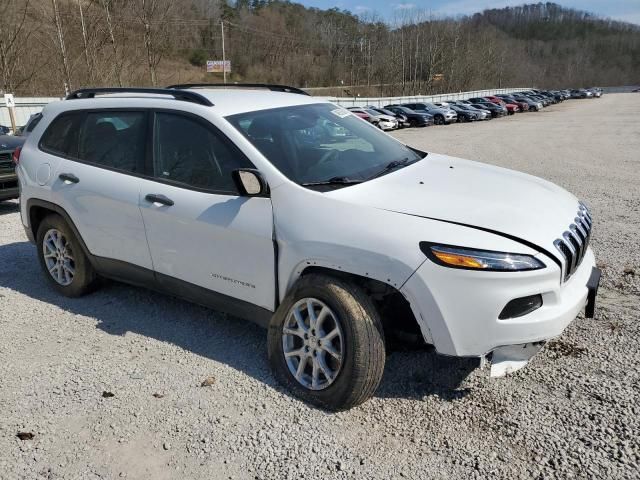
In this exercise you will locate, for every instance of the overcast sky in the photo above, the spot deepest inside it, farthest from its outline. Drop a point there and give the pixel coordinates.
(626, 10)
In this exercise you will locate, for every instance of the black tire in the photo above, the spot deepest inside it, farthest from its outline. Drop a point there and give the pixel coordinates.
(84, 277)
(413, 123)
(361, 370)
(438, 120)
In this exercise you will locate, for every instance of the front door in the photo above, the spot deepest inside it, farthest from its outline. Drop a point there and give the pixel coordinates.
(199, 229)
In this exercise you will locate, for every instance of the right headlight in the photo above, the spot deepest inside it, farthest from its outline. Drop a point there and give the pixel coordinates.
(473, 259)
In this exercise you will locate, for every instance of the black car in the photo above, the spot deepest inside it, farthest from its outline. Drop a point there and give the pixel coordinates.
(416, 119)
(8, 177)
(464, 115)
(495, 109)
(4, 130)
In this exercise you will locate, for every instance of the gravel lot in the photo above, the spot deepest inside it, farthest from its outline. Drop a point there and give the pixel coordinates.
(573, 412)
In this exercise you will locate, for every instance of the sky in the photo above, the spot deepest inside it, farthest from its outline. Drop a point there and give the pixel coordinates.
(625, 10)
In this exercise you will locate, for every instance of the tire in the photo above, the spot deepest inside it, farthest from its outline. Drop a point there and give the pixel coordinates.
(438, 120)
(360, 343)
(83, 278)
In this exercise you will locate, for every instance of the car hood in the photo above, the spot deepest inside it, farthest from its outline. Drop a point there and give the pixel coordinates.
(483, 196)
(433, 111)
(10, 142)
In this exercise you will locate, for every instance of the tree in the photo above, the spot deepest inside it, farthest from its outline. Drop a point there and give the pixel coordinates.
(14, 33)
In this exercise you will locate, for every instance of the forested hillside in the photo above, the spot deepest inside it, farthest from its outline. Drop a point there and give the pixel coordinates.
(47, 44)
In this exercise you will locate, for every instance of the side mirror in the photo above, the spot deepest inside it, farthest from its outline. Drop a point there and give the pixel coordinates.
(250, 182)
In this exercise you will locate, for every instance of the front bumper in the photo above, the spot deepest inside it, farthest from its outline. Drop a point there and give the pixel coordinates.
(458, 309)
(9, 186)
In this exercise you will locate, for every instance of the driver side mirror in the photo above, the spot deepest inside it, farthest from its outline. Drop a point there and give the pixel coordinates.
(250, 182)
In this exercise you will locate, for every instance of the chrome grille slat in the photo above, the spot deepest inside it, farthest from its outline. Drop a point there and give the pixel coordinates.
(574, 242)
(576, 236)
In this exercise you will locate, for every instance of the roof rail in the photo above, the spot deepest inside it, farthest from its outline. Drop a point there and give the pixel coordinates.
(273, 88)
(183, 95)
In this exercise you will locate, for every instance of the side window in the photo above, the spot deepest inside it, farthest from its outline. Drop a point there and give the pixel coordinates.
(114, 140)
(61, 137)
(187, 152)
(33, 121)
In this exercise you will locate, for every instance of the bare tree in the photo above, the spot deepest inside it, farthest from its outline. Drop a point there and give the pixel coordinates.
(13, 37)
(153, 15)
(62, 48)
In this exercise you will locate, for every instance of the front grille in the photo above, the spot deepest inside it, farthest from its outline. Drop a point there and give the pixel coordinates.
(6, 163)
(8, 185)
(574, 241)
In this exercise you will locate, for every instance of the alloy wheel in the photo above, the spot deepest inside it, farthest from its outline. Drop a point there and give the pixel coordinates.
(58, 257)
(313, 344)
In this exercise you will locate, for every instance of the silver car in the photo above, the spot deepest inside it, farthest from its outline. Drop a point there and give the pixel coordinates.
(441, 115)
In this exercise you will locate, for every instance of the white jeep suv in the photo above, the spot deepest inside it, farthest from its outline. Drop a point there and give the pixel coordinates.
(292, 212)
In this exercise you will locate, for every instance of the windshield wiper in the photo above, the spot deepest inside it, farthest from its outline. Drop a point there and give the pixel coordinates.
(333, 181)
(389, 167)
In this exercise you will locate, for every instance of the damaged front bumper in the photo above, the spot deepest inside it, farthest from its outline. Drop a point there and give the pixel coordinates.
(510, 358)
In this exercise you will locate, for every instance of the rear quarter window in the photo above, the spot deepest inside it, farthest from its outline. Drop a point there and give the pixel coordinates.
(61, 136)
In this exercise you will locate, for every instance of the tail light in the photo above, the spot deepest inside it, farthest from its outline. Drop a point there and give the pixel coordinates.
(16, 156)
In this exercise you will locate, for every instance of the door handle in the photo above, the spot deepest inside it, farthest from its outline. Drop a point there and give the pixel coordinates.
(68, 178)
(157, 198)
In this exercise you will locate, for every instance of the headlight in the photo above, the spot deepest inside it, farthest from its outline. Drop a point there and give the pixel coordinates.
(472, 259)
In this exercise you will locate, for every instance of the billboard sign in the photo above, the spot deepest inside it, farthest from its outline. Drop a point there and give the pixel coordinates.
(218, 66)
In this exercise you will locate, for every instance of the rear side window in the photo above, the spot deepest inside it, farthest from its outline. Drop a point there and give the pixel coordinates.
(188, 152)
(61, 137)
(114, 140)
(35, 120)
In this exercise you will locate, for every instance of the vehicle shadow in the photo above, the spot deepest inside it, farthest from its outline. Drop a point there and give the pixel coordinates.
(8, 206)
(118, 308)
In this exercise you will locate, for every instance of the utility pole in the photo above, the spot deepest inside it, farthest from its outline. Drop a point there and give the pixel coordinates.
(224, 57)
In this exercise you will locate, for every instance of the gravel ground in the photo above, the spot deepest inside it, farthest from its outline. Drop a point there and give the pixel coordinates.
(110, 384)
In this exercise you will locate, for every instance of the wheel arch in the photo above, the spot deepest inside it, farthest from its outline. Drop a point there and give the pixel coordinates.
(397, 315)
(38, 210)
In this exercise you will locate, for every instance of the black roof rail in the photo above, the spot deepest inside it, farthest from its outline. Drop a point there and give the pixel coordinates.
(183, 95)
(273, 88)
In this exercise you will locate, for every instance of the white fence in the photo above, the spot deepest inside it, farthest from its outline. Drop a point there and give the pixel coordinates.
(382, 101)
(26, 106)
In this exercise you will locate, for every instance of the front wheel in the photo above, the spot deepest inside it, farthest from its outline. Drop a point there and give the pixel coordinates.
(326, 343)
(438, 120)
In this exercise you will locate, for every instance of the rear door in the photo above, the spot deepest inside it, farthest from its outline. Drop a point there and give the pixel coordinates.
(200, 230)
(99, 155)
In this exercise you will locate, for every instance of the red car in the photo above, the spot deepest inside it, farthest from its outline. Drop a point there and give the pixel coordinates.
(511, 107)
(524, 106)
(497, 100)
(364, 116)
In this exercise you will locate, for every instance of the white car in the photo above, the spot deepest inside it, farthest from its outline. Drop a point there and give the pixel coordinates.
(385, 122)
(289, 211)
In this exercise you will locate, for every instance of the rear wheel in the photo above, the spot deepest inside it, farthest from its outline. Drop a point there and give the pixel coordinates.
(326, 343)
(62, 259)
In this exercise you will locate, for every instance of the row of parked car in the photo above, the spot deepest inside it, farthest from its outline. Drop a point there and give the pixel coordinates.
(423, 114)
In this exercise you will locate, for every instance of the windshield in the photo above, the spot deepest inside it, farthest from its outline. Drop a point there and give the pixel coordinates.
(320, 142)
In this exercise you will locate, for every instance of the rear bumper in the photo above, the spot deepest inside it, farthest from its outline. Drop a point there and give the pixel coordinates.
(458, 309)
